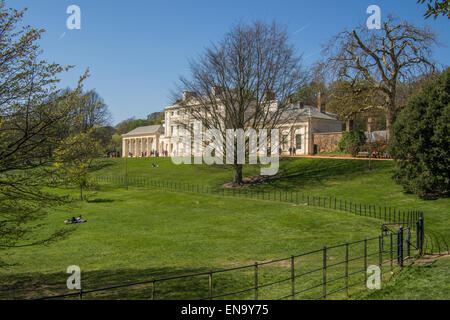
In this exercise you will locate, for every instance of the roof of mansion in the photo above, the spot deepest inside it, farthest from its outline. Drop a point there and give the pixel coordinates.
(294, 112)
(145, 130)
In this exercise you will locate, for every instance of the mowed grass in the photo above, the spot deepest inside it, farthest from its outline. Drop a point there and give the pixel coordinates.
(342, 178)
(148, 232)
(143, 233)
(420, 281)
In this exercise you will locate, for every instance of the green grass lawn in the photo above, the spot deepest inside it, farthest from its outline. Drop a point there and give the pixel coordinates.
(420, 281)
(149, 232)
(342, 178)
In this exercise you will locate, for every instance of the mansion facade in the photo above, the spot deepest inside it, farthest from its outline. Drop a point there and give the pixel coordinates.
(305, 130)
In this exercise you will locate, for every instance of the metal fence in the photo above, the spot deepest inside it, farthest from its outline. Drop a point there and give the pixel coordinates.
(389, 250)
(316, 274)
(385, 213)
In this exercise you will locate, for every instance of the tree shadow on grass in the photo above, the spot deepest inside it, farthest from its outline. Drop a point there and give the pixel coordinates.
(38, 285)
(294, 174)
(100, 201)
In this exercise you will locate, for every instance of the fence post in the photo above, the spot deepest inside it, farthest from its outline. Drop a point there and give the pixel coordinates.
(293, 277)
(391, 252)
(408, 244)
(380, 250)
(418, 235)
(400, 247)
(153, 288)
(365, 260)
(256, 280)
(81, 294)
(346, 269)
(324, 274)
(210, 285)
(422, 235)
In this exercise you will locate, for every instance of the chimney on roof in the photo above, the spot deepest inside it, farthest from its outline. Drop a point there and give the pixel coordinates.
(320, 104)
(188, 94)
(370, 124)
(268, 95)
(216, 91)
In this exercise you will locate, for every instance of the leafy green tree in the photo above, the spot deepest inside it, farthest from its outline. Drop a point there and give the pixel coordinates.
(75, 157)
(441, 7)
(352, 142)
(351, 99)
(131, 124)
(420, 141)
(309, 94)
(104, 136)
(35, 118)
(116, 143)
(153, 117)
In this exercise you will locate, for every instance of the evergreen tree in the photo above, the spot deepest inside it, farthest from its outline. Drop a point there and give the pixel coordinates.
(421, 142)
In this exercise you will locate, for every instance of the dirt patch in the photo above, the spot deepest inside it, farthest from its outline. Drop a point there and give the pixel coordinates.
(248, 181)
(300, 205)
(428, 259)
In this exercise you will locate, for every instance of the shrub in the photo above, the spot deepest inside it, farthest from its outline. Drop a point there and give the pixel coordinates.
(420, 140)
(351, 142)
(379, 146)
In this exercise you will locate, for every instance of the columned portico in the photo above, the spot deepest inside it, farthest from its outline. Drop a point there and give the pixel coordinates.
(142, 142)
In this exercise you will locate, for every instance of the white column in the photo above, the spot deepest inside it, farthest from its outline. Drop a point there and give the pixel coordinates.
(135, 147)
(123, 147)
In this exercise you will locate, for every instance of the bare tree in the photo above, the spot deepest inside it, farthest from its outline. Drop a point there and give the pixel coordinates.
(383, 58)
(244, 81)
(92, 111)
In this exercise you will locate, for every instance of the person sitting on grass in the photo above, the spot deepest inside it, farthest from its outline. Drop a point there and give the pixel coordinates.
(70, 221)
(80, 219)
(73, 220)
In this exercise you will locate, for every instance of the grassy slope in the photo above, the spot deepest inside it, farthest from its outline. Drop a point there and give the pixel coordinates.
(415, 282)
(138, 234)
(344, 179)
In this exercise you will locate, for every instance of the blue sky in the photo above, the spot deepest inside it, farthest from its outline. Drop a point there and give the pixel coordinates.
(137, 49)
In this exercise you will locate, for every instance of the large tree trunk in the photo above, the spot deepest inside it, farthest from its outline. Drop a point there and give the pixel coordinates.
(349, 125)
(390, 117)
(237, 181)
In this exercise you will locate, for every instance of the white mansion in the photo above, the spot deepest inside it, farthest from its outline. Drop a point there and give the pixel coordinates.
(305, 129)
